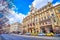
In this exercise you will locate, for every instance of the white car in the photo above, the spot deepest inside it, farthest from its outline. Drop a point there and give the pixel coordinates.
(41, 34)
(28, 34)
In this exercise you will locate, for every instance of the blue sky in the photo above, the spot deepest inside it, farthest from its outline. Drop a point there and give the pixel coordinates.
(54, 1)
(22, 8)
(23, 5)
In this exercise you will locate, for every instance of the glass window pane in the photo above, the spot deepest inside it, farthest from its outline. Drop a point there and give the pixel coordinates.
(1, 15)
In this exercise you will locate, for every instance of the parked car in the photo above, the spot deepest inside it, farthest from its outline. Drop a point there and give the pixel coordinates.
(28, 34)
(49, 34)
(57, 35)
(41, 34)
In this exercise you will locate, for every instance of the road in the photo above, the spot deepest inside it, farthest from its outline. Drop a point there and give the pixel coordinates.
(14, 37)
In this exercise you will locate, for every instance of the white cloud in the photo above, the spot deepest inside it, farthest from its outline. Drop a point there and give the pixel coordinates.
(29, 6)
(56, 3)
(16, 17)
(40, 3)
(28, 13)
(21, 16)
(11, 20)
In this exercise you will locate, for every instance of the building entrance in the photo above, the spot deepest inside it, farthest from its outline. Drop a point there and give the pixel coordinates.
(47, 29)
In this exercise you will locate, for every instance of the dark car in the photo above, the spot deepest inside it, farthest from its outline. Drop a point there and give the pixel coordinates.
(57, 35)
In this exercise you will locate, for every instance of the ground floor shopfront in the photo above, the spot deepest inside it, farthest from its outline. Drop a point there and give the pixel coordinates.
(33, 31)
(50, 29)
(43, 29)
(46, 29)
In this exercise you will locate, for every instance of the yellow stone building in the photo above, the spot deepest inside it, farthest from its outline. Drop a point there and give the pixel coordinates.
(43, 20)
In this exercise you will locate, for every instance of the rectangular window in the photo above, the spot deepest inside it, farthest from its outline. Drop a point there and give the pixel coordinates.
(41, 19)
(1, 15)
(48, 17)
(54, 20)
(52, 15)
(59, 11)
(44, 18)
(36, 19)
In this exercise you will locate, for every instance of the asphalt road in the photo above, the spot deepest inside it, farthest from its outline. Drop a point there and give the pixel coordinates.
(14, 37)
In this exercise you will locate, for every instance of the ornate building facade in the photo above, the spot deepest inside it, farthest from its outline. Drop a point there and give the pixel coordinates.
(43, 20)
(15, 27)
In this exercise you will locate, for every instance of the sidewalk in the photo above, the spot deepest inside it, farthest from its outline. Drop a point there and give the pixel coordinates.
(45, 37)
